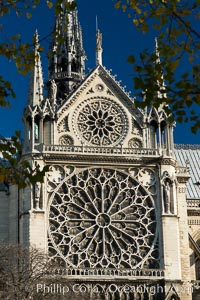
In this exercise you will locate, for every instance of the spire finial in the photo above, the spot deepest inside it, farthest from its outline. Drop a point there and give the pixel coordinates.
(36, 76)
(157, 51)
(36, 37)
(99, 49)
(162, 92)
(96, 23)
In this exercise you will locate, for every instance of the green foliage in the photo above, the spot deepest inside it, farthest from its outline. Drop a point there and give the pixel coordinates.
(160, 79)
(13, 49)
(15, 169)
(6, 91)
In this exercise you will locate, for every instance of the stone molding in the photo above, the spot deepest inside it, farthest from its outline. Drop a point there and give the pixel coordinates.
(187, 146)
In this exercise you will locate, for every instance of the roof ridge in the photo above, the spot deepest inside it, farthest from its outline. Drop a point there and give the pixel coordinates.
(187, 146)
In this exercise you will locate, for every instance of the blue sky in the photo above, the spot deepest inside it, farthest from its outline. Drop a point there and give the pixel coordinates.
(120, 39)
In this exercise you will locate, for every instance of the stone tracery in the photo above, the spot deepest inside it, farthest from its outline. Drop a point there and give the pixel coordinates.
(100, 122)
(135, 143)
(66, 140)
(103, 218)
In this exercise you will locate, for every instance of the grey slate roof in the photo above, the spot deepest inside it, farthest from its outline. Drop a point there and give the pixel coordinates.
(190, 154)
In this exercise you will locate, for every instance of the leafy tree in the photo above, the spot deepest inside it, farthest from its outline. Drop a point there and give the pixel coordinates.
(15, 169)
(170, 75)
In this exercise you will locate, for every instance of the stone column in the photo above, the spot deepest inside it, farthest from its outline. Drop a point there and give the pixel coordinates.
(32, 134)
(182, 179)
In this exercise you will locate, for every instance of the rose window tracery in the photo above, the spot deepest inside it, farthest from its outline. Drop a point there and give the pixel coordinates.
(103, 218)
(100, 122)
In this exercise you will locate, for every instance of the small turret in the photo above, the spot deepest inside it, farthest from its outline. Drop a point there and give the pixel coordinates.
(36, 79)
(161, 93)
(159, 128)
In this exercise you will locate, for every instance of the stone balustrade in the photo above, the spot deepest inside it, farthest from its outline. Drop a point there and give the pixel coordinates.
(193, 204)
(65, 74)
(146, 273)
(96, 150)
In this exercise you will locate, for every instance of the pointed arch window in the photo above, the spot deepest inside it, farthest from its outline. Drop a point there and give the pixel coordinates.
(47, 130)
(163, 128)
(154, 135)
(36, 129)
(29, 129)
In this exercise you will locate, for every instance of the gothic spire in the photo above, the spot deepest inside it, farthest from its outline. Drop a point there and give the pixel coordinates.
(36, 78)
(161, 93)
(67, 56)
(99, 49)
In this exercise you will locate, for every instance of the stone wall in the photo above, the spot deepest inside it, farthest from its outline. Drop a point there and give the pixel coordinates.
(4, 220)
(13, 215)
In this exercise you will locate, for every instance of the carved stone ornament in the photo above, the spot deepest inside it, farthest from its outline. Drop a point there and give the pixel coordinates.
(90, 91)
(167, 187)
(103, 218)
(183, 179)
(66, 140)
(53, 90)
(168, 161)
(147, 177)
(99, 88)
(56, 175)
(136, 129)
(167, 183)
(100, 122)
(135, 143)
(63, 126)
(37, 190)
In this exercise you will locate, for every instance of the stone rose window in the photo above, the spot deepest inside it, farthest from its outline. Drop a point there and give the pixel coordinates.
(103, 218)
(100, 122)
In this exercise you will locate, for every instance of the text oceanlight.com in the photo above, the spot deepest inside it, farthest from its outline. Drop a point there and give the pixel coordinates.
(59, 289)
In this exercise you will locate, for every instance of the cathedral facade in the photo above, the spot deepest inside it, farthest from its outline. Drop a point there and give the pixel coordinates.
(119, 209)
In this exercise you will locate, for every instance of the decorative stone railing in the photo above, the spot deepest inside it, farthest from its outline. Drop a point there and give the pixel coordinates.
(65, 74)
(193, 204)
(111, 272)
(96, 150)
